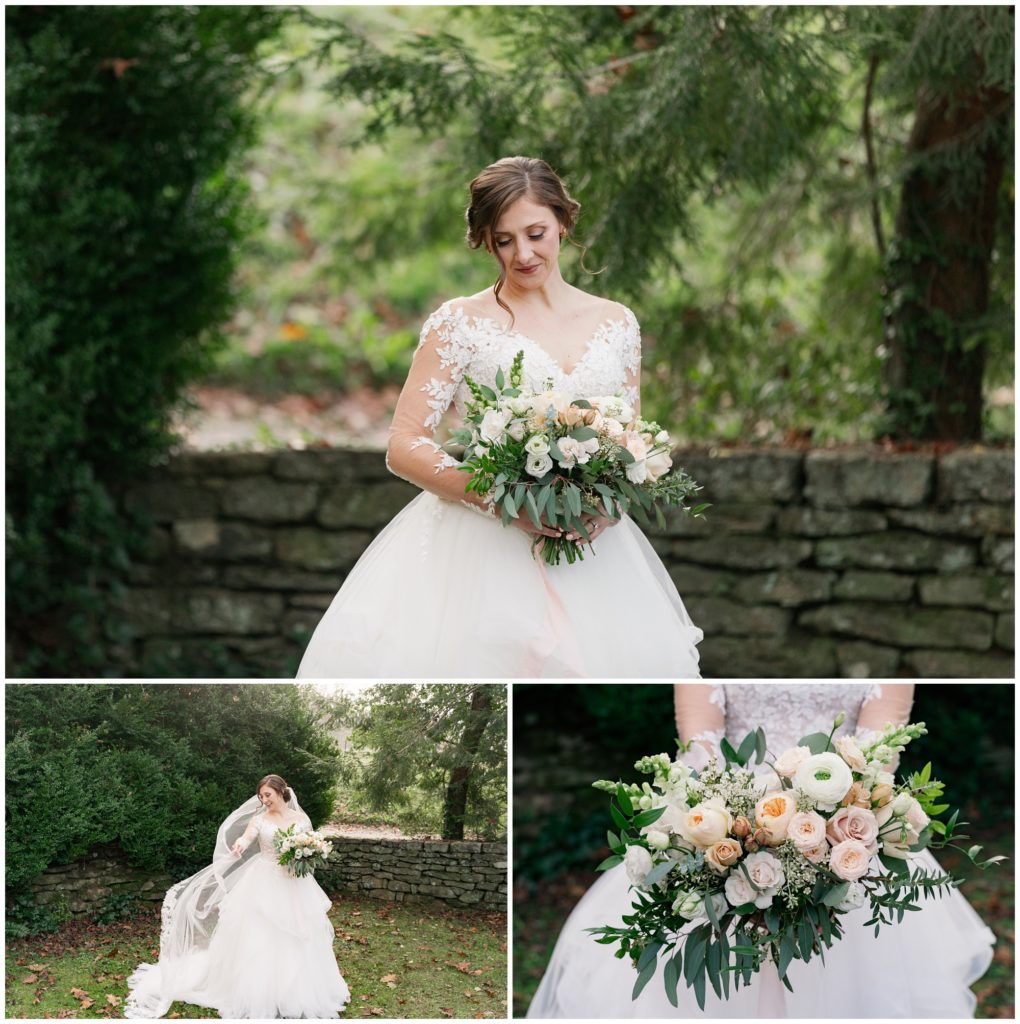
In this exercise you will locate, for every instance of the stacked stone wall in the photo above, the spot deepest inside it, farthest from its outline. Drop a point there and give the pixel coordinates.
(809, 564)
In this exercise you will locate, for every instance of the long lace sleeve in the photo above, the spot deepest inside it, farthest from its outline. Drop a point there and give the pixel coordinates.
(440, 361)
(700, 714)
(632, 359)
(249, 834)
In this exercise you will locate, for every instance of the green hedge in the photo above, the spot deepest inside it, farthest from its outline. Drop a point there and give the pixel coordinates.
(125, 206)
(152, 768)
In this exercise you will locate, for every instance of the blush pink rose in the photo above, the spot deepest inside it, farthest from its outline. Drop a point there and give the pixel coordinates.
(807, 830)
(817, 854)
(853, 823)
(849, 860)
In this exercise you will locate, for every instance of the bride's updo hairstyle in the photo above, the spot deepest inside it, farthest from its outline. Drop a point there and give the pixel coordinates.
(499, 186)
(274, 782)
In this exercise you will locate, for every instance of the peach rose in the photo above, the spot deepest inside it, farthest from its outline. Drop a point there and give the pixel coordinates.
(881, 795)
(721, 856)
(571, 416)
(853, 823)
(807, 830)
(741, 827)
(847, 748)
(790, 760)
(817, 854)
(705, 824)
(858, 795)
(774, 812)
(849, 860)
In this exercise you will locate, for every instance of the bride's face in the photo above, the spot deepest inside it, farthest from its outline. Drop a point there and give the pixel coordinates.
(527, 242)
(271, 800)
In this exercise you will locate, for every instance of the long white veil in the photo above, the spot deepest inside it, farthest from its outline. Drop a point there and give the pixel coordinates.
(190, 914)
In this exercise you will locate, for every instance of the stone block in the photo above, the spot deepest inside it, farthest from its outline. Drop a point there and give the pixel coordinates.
(319, 601)
(976, 475)
(167, 500)
(859, 660)
(805, 521)
(994, 593)
(357, 505)
(698, 579)
(270, 578)
(1005, 631)
(895, 549)
(960, 664)
(744, 476)
(998, 553)
(837, 479)
(856, 585)
(958, 520)
(227, 611)
(788, 588)
(211, 464)
(311, 548)
(213, 540)
(331, 465)
(265, 500)
(744, 553)
(726, 519)
(798, 656)
(907, 627)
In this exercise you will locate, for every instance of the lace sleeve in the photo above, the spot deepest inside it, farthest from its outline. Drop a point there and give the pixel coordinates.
(885, 704)
(440, 360)
(249, 834)
(700, 714)
(632, 359)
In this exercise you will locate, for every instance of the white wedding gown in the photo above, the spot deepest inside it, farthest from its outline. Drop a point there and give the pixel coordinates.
(920, 967)
(270, 955)
(447, 591)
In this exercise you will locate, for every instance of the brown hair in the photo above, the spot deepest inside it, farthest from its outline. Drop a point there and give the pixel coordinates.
(499, 186)
(273, 782)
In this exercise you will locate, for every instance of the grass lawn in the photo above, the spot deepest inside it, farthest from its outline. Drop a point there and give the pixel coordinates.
(539, 914)
(400, 960)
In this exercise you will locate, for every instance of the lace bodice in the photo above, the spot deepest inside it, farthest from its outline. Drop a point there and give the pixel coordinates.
(455, 343)
(263, 830)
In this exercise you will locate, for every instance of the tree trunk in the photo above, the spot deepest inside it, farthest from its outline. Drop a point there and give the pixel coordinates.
(455, 805)
(939, 266)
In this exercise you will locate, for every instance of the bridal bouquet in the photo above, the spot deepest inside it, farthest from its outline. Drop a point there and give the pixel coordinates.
(732, 867)
(301, 853)
(558, 458)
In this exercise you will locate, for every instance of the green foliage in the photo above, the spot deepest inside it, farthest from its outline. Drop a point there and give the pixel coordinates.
(125, 206)
(152, 768)
(406, 745)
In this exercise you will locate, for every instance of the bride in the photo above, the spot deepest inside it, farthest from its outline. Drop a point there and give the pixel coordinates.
(920, 967)
(445, 590)
(243, 935)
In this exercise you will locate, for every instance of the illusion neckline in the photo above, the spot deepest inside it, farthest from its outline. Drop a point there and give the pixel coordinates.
(507, 332)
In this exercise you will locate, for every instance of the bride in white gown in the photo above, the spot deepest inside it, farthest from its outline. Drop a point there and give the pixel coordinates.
(445, 590)
(243, 935)
(920, 967)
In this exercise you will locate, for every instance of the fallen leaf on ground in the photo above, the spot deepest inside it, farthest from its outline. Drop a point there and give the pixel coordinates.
(86, 1003)
(30, 979)
(388, 978)
(113, 1000)
(79, 993)
(37, 967)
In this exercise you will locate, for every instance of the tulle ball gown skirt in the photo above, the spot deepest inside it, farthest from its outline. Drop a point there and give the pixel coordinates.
(271, 955)
(443, 591)
(920, 967)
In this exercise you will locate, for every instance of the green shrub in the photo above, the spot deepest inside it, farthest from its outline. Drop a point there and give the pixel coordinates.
(125, 206)
(154, 769)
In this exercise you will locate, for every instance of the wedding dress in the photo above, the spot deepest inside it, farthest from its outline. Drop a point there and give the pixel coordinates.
(244, 936)
(445, 590)
(920, 967)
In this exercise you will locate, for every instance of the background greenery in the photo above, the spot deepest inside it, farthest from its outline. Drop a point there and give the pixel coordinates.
(567, 736)
(152, 768)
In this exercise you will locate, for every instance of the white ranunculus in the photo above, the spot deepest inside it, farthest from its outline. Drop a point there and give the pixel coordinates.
(537, 444)
(824, 779)
(637, 862)
(539, 465)
(855, 897)
(493, 426)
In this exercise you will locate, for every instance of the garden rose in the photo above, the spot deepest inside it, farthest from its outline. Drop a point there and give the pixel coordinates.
(738, 889)
(637, 863)
(807, 830)
(824, 778)
(773, 812)
(658, 465)
(766, 872)
(706, 823)
(857, 794)
(853, 823)
(817, 854)
(721, 856)
(790, 760)
(493, 426)
(849, 860)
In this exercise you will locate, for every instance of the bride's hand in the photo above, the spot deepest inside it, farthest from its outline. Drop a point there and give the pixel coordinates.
(523, 522)
(595, 524)
(237, 849)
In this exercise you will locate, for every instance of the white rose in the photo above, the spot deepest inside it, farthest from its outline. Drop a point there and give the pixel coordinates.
(824, 779)
(790, 760)
(493, 426)
(658, 464)
(705, 824)
(855, 897)
(637, 862)
(657, 839)
(766, 873)
(516, 430)
(539, 465)
(537, 444)
(847, 748)
(901, 804)
(738, 889)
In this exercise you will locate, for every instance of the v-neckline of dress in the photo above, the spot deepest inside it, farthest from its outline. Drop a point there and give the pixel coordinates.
(586, 350)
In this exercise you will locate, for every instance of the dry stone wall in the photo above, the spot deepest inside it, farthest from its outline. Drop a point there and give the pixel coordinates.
(809, 564)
